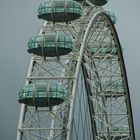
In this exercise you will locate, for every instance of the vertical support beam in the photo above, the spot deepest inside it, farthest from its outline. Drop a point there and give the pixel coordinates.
(23, 106)
(78, 66)
(91, 108)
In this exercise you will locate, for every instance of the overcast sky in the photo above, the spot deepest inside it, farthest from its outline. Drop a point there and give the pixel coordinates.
(19, 22)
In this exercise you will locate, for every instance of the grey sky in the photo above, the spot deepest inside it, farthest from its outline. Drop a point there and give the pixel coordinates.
(19, 22)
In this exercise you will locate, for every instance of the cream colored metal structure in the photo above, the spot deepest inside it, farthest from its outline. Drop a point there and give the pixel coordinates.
(98, 104)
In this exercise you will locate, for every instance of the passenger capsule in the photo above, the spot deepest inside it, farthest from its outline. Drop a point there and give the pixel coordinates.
(104, 50)
(42, 95)
(113, 88)
(51, 44)
(60, 10)
(112, 16)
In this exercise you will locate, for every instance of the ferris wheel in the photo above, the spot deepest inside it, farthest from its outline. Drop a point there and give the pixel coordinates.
(76, 86)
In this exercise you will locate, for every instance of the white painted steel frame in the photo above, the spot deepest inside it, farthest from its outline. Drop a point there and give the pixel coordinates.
(74, 90)
(71, 28)
(80, 31)
(129, 134)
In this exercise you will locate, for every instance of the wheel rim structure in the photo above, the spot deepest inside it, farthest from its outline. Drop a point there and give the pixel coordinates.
(96, 102)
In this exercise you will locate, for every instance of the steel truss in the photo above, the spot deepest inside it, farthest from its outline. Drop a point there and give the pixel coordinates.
(98, 102)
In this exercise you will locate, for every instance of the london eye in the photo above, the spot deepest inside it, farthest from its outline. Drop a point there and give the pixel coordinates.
(76, 86)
